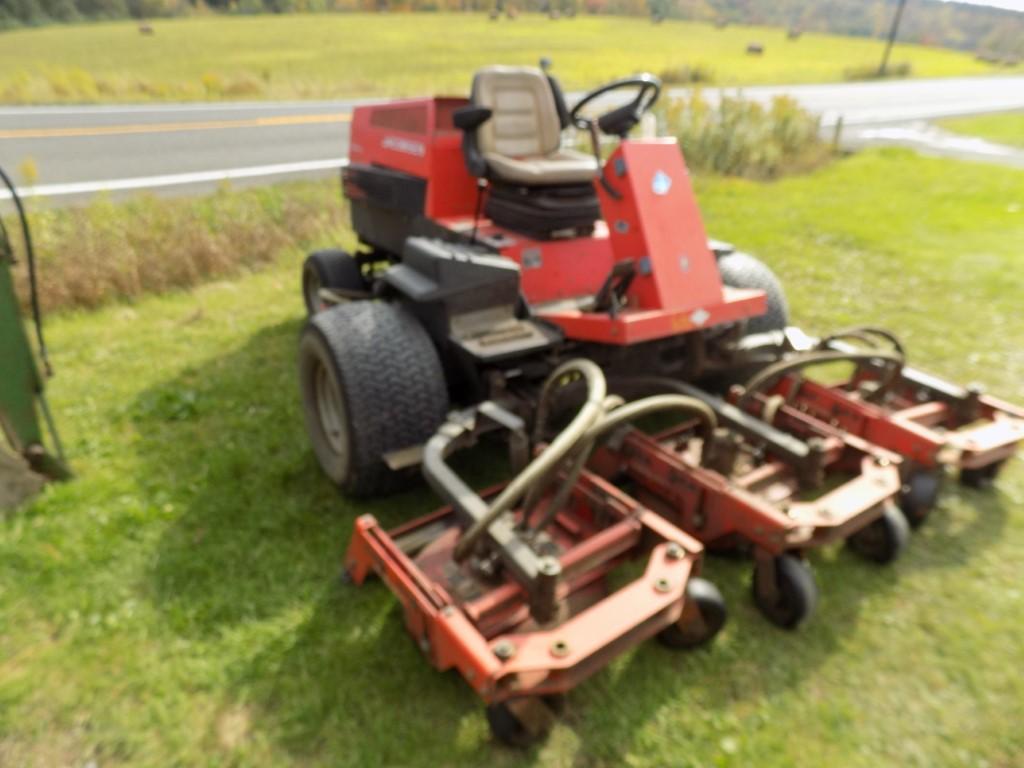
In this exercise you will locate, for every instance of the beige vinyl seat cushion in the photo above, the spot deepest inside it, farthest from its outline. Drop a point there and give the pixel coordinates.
(521, 142)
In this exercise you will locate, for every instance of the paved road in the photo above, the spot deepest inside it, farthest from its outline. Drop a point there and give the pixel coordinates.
(188, 148)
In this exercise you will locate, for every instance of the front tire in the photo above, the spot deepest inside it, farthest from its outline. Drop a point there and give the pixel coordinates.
(371, 383)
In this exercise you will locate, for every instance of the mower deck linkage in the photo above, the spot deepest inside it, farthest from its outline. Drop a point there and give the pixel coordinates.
(526, 611)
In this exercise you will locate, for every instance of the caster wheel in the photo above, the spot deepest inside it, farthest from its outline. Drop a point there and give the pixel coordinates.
(795, 592)
(982, 477)
(920, 494)
(520, 723)
(702, 618)
(883, 540)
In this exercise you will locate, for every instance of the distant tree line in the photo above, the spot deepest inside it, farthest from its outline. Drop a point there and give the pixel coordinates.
(954, 25)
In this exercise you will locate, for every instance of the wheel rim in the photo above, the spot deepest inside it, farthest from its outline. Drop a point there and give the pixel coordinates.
(331, 410)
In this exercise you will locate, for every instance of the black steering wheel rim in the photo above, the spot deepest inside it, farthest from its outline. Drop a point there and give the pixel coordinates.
(649, 89)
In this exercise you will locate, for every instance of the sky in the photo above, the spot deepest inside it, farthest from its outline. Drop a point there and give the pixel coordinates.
(1013, 5)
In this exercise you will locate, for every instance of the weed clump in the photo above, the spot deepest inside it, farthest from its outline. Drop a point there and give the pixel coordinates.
(738, 137)
(109, 251)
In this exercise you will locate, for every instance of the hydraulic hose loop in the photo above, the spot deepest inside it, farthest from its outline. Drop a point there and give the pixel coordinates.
(561, 496)
(706, 414)
(578, 458)
(772, 373)
(559, 447)
(867, 334)
(620, 415)
(640, 408)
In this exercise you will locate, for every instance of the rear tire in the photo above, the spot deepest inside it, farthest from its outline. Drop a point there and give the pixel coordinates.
(371, 383)
(741, 270)
(330, 268)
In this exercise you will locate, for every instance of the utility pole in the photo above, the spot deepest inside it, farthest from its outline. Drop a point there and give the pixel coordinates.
(892, 38)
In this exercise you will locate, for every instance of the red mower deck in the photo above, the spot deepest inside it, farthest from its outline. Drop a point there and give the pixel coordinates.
(777, 489)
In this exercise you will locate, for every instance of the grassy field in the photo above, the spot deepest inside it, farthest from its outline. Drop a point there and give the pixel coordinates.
(1003, 128)
(177, 604)
(303, 56)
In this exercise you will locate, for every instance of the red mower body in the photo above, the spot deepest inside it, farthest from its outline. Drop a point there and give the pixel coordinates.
(652, 222)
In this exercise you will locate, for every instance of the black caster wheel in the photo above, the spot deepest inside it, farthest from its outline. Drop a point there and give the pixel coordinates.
(883, 540)
(520, 723)
(982, 477)
(920, 494)
(789, 599)
(703, 617)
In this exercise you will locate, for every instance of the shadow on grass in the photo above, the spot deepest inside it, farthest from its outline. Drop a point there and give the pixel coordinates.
(327, 671)
(965, 522)
(261, 528)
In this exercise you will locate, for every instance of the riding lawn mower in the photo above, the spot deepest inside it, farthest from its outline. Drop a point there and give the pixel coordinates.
(645, 381)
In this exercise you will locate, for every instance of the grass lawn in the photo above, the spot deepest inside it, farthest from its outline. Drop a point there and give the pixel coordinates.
(302, 56)
(177, 604)
(1002, 128)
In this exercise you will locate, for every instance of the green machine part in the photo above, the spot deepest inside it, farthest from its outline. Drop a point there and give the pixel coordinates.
(22, 400)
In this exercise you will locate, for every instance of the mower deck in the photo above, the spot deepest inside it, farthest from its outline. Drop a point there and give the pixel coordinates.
(483, 626)
(757, 490)
(930, 422)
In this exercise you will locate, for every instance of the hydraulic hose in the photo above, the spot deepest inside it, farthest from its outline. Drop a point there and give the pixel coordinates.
(771, 373)
(618, 416)
(30, 258)
(867, 334)
(538, 469)
(640, 408)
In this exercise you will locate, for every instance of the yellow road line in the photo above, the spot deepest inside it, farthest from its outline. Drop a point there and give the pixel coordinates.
(213, 125)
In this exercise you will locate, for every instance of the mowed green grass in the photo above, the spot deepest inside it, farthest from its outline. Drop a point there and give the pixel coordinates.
(1003, 128)
(178, 603)
(387, 54)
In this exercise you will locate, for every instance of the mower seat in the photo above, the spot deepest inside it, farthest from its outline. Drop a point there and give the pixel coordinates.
(512, 137)
(519, 139)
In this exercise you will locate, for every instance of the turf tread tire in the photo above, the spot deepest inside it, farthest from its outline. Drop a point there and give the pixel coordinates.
(392, 386)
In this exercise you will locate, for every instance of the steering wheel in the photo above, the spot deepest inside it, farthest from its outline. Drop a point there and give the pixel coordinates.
(620, 120)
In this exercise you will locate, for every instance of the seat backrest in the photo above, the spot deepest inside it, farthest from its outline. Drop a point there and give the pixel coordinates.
(524, 120)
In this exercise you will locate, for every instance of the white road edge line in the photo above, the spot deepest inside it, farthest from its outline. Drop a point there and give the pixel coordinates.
(174, 179)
